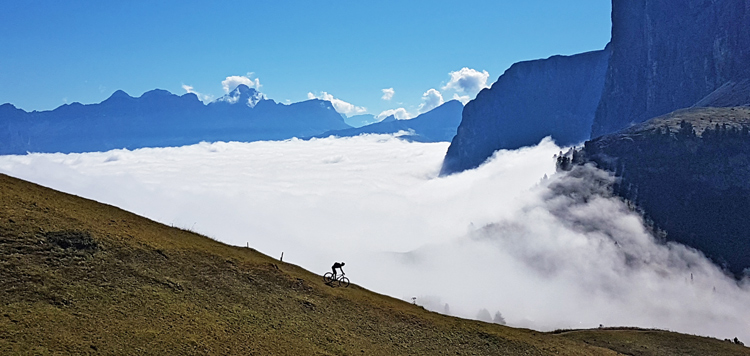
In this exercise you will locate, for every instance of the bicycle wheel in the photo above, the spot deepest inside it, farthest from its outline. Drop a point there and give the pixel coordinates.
(328, 277)
(343, 282)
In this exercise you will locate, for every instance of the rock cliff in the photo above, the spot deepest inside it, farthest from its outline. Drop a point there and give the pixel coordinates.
(554, 97)
(668, 55)
(689, 173)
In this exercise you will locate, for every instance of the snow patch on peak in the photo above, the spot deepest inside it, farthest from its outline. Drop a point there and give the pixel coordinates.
(243, 94)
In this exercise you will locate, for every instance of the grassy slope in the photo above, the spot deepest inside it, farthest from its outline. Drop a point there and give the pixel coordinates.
(81, 277)
(700, 118)
(654, 342)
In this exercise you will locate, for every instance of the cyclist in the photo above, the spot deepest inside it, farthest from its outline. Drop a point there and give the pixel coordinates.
(337, 265)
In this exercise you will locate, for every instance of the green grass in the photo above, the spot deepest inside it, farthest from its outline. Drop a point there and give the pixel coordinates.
(80, 277)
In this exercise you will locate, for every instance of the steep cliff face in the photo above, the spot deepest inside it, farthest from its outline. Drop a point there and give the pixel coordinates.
(668, 55)
(689, 172)
(550, 97)
(732, 93)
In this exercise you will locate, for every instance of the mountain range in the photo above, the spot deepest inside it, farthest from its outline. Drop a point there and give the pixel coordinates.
(436, 125)
(158, 118)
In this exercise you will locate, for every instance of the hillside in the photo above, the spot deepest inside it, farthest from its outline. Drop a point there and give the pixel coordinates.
(80, 277)
(689, 172)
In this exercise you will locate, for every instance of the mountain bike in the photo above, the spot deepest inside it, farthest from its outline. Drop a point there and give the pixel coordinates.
(340, 280)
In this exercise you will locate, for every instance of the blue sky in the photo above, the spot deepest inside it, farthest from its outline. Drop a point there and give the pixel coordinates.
(55, 52)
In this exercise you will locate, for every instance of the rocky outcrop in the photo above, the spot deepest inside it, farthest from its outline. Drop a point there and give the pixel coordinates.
(689, 173)
(554, 97)
(668, 55)
(159, 118)
(438, 124)
(732, 93)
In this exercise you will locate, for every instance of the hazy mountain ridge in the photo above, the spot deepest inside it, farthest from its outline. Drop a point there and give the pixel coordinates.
(438, 124)
(159, 118)
(689, 173)
(554, 97)
(360, 120)
(83, 277)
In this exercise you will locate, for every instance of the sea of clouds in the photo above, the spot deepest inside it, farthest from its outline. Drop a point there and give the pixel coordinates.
(546, 250)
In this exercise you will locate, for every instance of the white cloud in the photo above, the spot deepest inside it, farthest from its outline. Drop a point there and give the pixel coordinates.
(202, 97)
(430, 100)
(468, 81)
(388, 94)
(400, 114)
(464, 99)
(545, 253)
(342, 107)
(233, 81)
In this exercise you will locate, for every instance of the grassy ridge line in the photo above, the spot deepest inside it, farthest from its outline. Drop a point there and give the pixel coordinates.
(79, 277)
(633, 341)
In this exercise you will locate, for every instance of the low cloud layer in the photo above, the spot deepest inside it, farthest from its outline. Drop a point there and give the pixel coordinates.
(559, 252)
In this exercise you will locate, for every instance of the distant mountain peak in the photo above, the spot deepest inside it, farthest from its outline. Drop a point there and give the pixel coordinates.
(436, 125)
(242, 94)
(156, 93)
(119, 94)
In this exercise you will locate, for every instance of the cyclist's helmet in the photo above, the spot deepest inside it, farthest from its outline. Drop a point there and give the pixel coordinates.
(342, 263)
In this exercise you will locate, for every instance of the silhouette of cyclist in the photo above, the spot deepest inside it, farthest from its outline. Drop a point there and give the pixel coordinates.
(337, 265)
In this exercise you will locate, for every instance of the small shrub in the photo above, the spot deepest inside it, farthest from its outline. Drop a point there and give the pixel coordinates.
(79, 240)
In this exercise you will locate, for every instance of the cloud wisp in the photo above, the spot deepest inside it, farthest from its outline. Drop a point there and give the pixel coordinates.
(342, 107)
(430, 100)
(399, 114)
(467, 80)
(560, 252)
(464, 85)
(205, 98)
(231, 82)
(388, 94)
